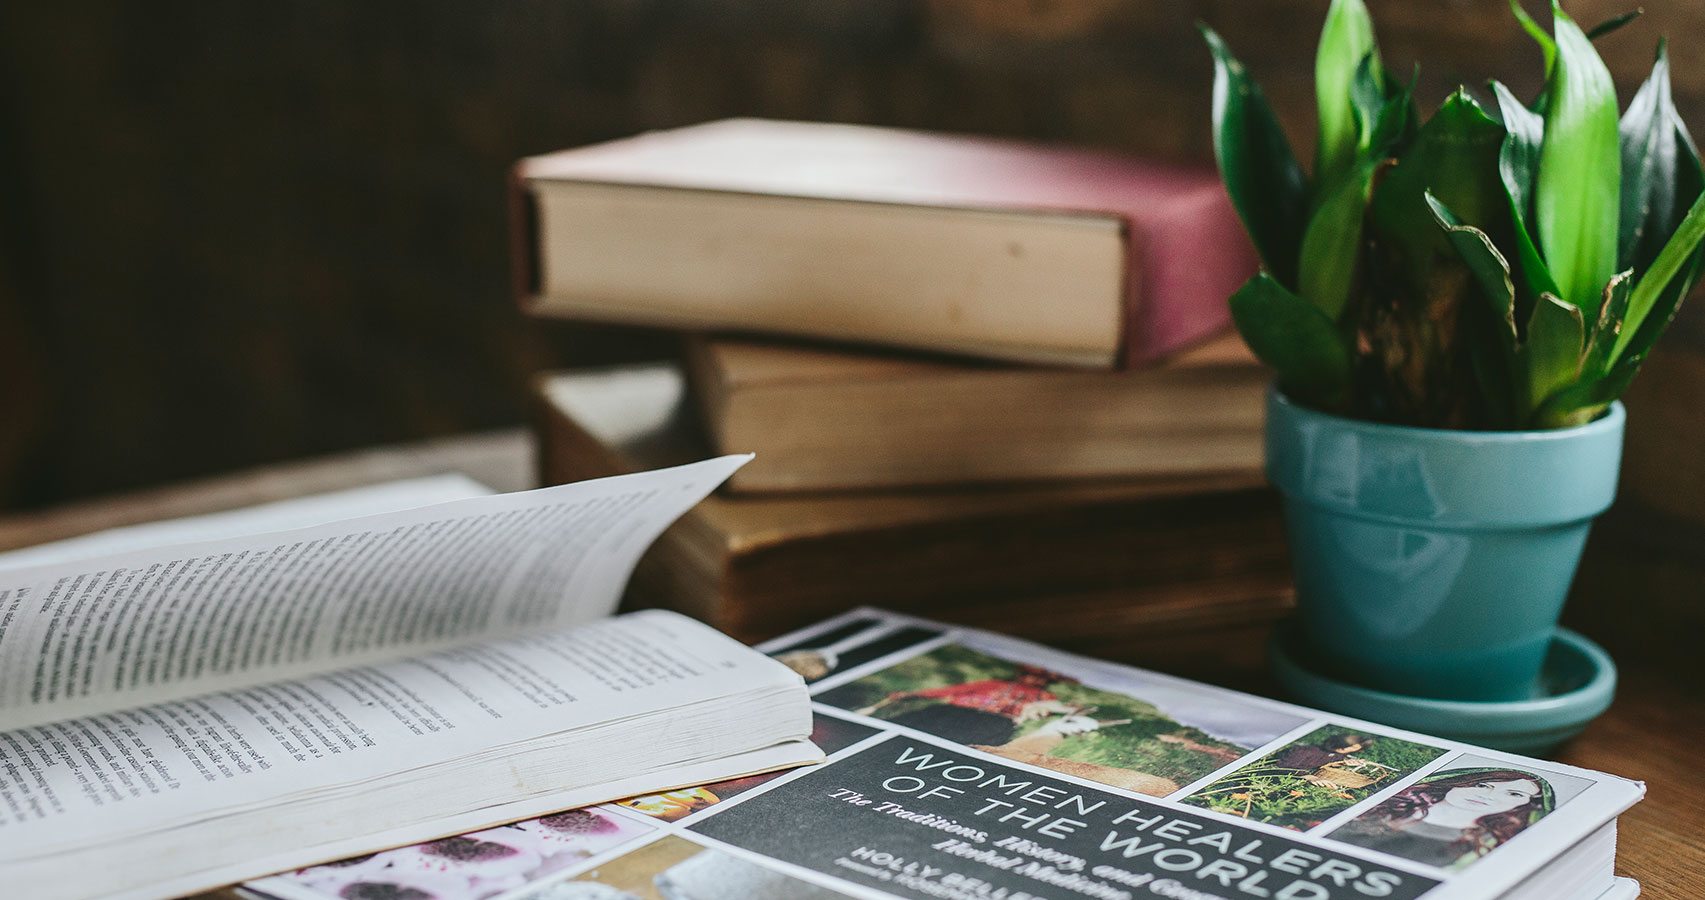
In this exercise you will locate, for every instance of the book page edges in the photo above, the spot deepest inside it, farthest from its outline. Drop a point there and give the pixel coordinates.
(892, 166)
(1179, 272)
(893, 285)
(782, 756)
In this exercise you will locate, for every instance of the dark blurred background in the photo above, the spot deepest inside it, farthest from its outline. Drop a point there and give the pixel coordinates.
(233, 233)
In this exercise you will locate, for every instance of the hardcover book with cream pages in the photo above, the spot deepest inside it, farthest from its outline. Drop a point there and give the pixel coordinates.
(966, 245)
(830, 419)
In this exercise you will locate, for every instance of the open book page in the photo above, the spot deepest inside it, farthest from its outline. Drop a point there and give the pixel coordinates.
(967, 766)
(101, 778)
(97, 635)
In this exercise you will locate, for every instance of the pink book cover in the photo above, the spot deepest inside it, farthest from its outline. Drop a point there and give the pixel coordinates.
(1187, 249)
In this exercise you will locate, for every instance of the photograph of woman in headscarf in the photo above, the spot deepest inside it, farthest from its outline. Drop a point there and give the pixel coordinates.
(1452, 818)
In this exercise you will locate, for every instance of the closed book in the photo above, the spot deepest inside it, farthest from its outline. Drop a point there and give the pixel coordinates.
(1099, 567)
(966, 245)
(823, 419)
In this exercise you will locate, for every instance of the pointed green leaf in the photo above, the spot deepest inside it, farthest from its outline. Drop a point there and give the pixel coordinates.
(1493, 344)
(1518, 163)
(1296, 339)
(1690, 186)
(1395, 123)
(1332, 247)
(1518, 166)
(1555, 339)
(1585, 401)
(1614, 23)
(1578, 198)
(1613, 312)
(1657, 321)
(1260, 171)
(1651, 146)
(1346, 41)
(1678, 259)
(1546, 45)
(1455, 156)
(1367, 100)
(1488, 266)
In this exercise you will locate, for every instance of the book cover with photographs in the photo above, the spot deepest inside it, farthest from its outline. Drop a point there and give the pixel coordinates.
(971, 766)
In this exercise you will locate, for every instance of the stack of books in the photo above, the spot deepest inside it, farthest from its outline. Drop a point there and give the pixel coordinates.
(987, 381)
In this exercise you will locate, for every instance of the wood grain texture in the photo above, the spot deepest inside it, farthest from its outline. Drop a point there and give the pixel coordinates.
(1653, 733)
(240, 233)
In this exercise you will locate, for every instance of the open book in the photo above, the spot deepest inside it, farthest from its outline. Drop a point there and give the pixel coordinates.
(965, 765)
(177, 718)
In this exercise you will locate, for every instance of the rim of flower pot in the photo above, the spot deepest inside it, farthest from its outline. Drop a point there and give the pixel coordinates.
(1612, 419)
(1443, 478)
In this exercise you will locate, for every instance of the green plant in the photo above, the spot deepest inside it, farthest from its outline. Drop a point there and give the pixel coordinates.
(1506, 271)
(1265, 791)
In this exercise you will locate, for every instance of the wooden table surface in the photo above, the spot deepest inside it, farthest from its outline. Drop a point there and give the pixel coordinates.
(1654, 732)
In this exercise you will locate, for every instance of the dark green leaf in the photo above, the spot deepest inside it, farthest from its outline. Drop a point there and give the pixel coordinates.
(1585, 401)
(1395, 124)
(1332, 248)
(1260, 171)
(1367, 101)
(1518, 167)
(1651, 145)
(1489, 267)
(1676, 264)
(1555, 339)
(1296, 339)
(1663, 311)
(1518, 163)
(1578, 197)
(1614, 23)
(1546, 45)
(1455, 157)
(1346, 46)
(1690, 186)
(1493, 344)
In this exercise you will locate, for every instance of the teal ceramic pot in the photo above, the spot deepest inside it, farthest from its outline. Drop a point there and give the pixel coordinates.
(1434, 563)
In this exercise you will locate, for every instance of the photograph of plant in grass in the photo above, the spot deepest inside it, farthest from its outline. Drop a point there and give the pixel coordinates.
(1500, 266)
(1114, 728)
(1314, 777)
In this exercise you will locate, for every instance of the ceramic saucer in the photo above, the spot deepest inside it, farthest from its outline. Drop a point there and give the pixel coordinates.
(1574, 688)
